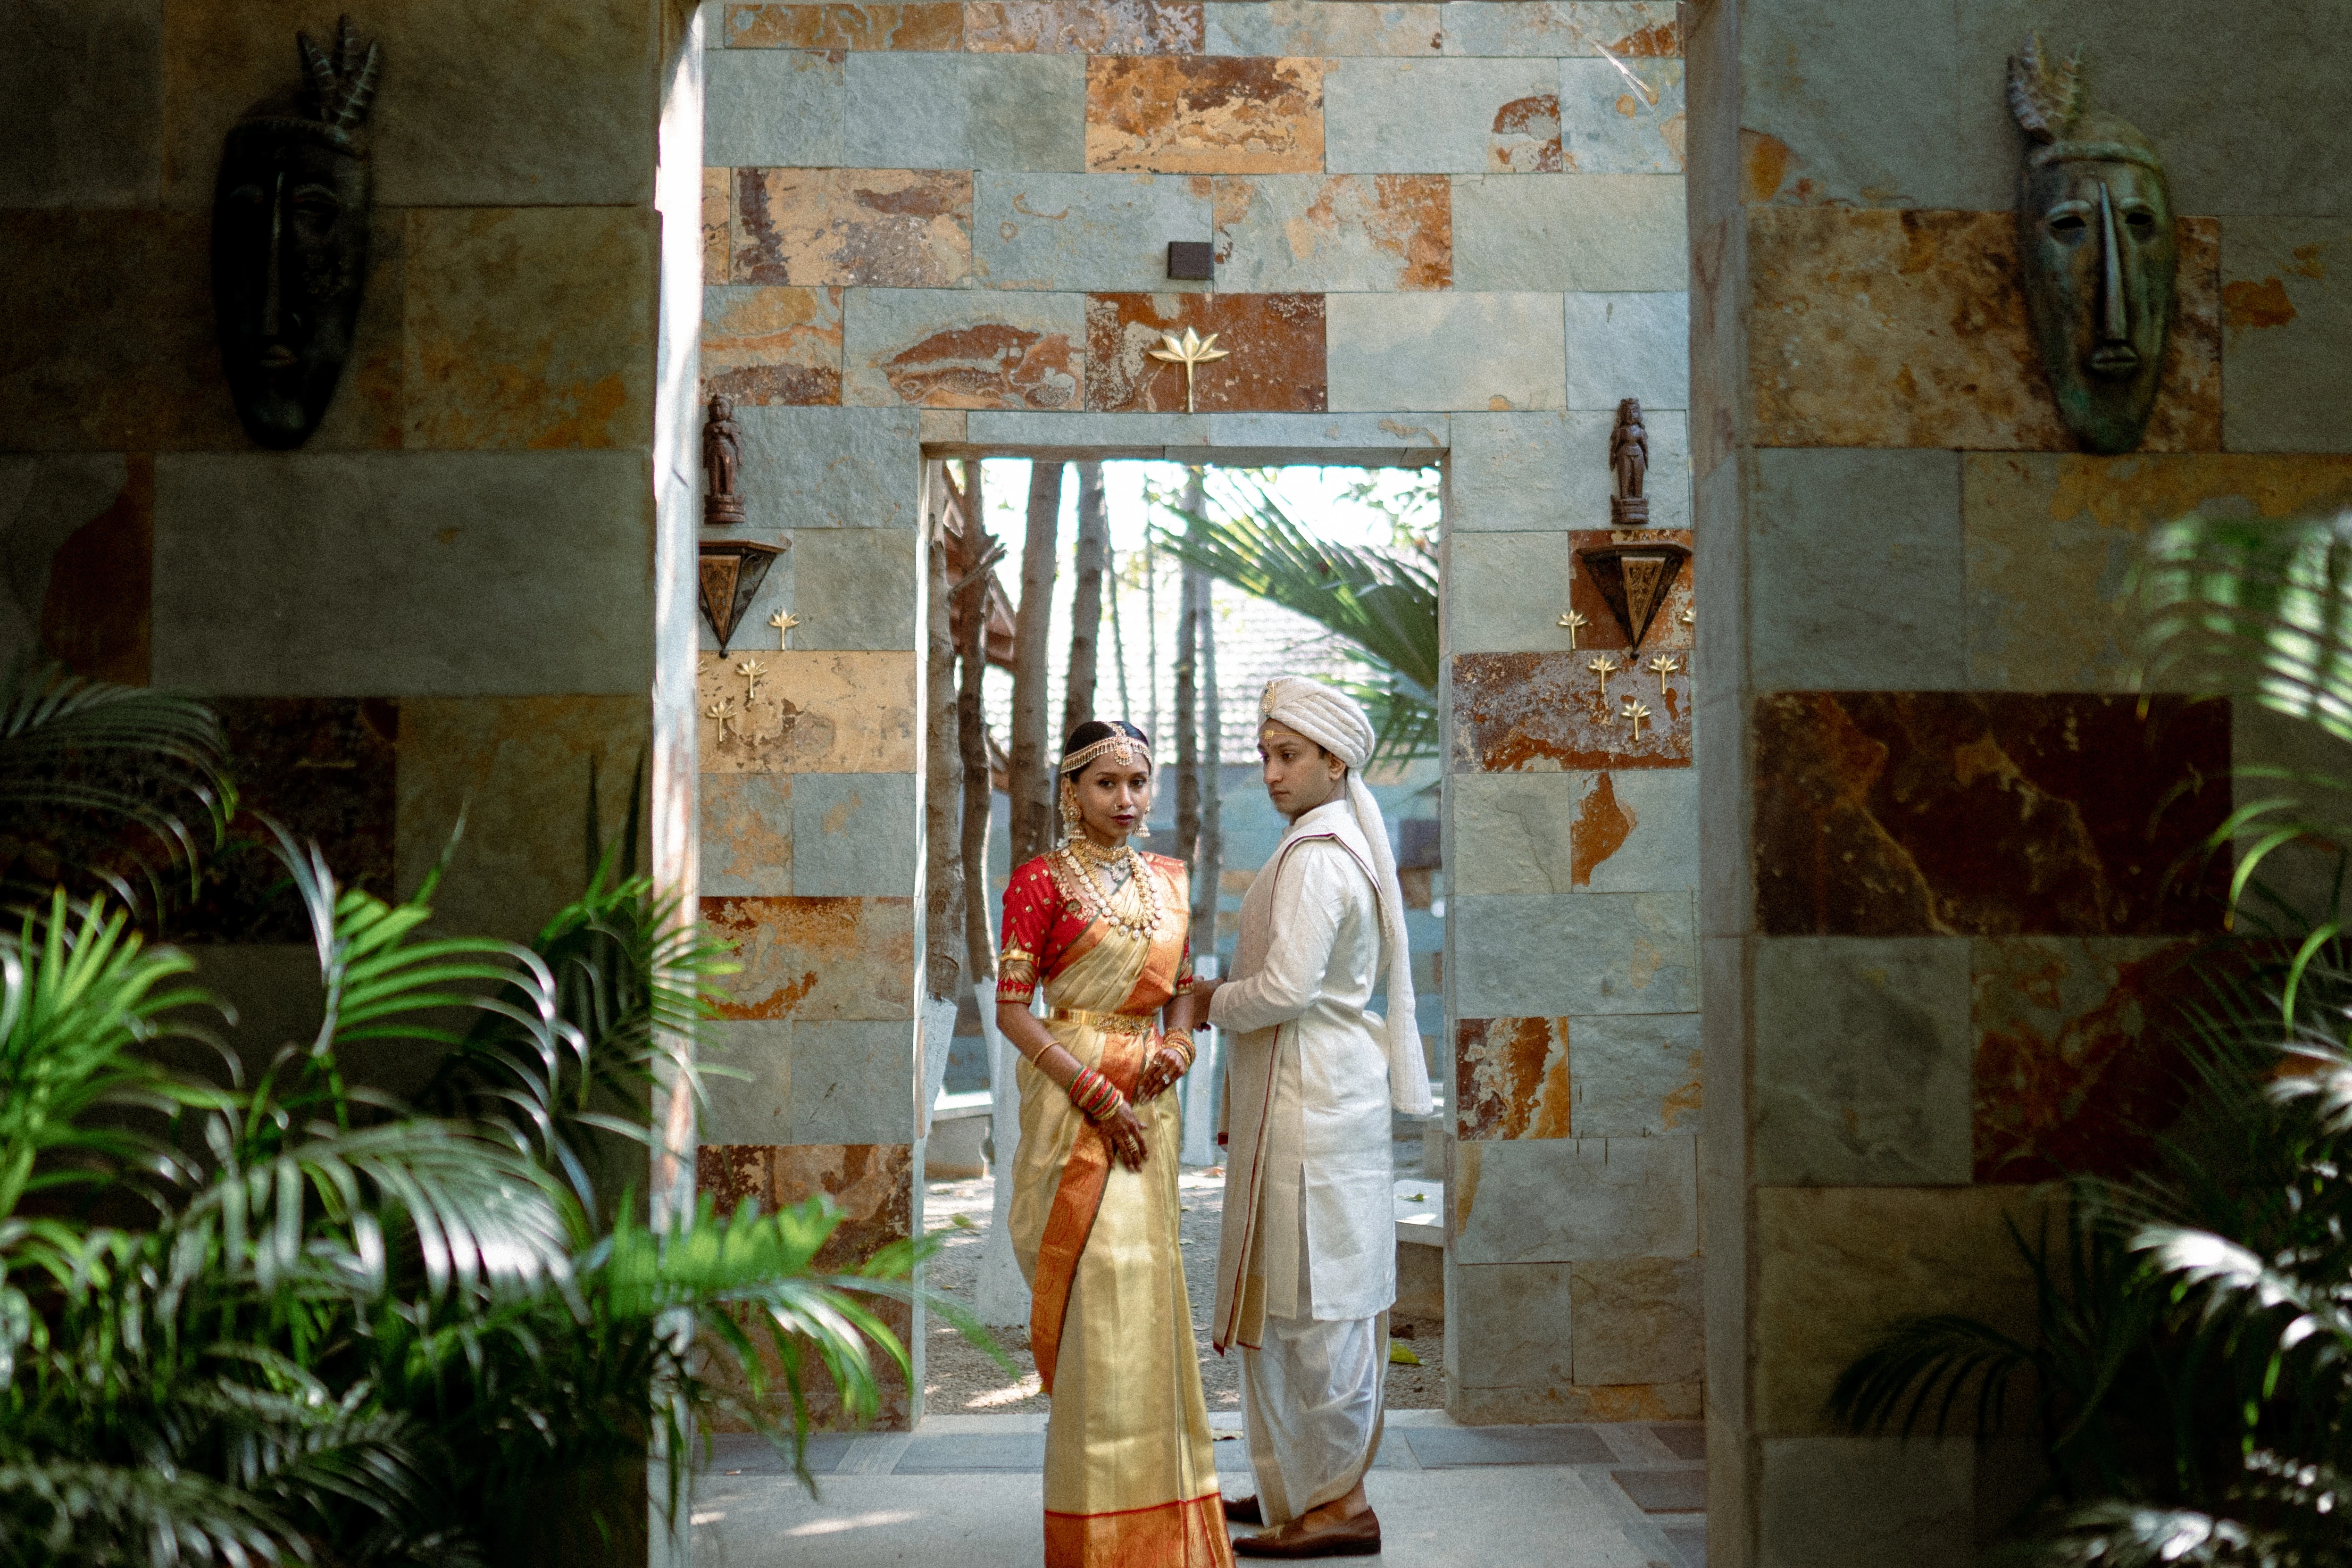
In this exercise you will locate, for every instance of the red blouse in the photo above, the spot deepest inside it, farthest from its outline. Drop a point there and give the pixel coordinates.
(1043, 922)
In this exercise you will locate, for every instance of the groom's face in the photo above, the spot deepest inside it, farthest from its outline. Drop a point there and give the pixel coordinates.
(1299, 775)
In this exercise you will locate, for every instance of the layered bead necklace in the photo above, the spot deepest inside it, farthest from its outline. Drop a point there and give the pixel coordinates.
(1083, 859)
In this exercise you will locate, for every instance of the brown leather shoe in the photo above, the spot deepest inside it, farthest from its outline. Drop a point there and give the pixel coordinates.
(1244, 1510)
(1357, 1537)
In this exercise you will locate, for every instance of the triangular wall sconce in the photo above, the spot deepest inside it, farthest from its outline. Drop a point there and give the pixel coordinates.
(1634, 580)
(732, 571)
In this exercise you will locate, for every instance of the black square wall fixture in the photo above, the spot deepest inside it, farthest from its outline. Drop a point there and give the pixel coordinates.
(1192, 258)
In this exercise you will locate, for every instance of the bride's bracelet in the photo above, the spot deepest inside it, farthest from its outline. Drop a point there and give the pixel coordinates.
(1181, 1046)
(1097, 1098)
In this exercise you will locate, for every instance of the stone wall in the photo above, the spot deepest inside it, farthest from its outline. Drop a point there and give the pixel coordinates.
(1444, 233)
(455, 593)
(1933, 946)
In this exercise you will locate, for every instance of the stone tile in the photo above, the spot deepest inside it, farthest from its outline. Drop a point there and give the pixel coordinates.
(1865, 109)
(1860, 1054)
(1727, 894)
(1443, 117)
(1635, 1076)
(1630, 29)
(1510, 1078)
(749, 1454)
(324, 768)
(813, 712)
(946, 348)
(1323, 28)
(853, 1080)
(1986, 814)
(775, 26)
(542, 106)
(1494, 353)
(1857, 1502)
(1836, 1264)
(1634, 953)
(437, 580)
(1639, 1319)
(1454, 1448)
(1276, 361)
(1609, 233)
(1505, 1324)
(1629, 345)
(1611, 125)
(765, 345)
(2078, 1065)
(1665, 1492)
(856, 833)
(1523, 1404)
(1909, 329)
(1514, 833)
(1085, 231)
(79, 538)
(717, 223)
(1204, 116)
(2288, 334)
(1636, 831)
(1550, 471)
(1561, 1200)
(1685, 1442)
(578, 371)
(2050, 539)
(518, 768)
(1080, 434)
(72, 136)
(815, 959)
(830, 468)
(900, 228)
(1821, 612)
(1505, 592)
(856, 589)
(752, 1103)
(1405, 441)
(1017, 1453)
(1001, 112)
(747, 834)
(1084, 26)
(1541, 711)
(1334, 232)
(786, 108)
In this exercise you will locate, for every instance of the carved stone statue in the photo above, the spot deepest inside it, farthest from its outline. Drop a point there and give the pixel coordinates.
(290, 240)
(2094, 231)
(722, 460)
(1629, 466)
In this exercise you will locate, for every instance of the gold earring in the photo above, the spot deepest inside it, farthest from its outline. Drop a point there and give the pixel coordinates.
(1070, 823)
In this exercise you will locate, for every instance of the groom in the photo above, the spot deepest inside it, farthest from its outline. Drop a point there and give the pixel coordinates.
(1307, 1262)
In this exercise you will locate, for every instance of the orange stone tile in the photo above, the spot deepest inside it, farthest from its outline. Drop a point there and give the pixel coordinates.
(815, 960)
(760, 26)
(717, 193)
(806, 712)
(1525, 137)
(1194, 115)
(903, 228)
(1539, 713)
(771, 346)
(1512, 1077)
(1275, 362)
(1084, 26)
(1880, 328)
(1340, 231)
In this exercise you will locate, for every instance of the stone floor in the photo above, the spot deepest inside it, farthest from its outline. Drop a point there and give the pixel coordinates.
(965, 1490)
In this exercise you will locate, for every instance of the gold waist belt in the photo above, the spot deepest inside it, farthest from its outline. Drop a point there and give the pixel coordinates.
(1109, 1023)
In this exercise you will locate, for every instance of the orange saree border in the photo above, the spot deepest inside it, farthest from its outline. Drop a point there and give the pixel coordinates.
(1077, 1196)
(1187, 1534)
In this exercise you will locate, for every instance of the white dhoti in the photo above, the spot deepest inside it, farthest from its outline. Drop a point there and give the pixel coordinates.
(1312, 1395)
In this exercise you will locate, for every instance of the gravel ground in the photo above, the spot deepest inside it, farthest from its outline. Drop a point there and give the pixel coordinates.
(959, 1378)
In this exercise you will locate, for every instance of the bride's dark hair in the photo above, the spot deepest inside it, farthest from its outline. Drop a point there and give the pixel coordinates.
(1094, 731)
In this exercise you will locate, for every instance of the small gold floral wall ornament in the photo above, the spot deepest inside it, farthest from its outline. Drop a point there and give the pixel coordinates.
(1571, 622)
(1662, 666)
(751, 669)
(1604, 667)
(783, 621)
(1190, 351)
(1639, 712)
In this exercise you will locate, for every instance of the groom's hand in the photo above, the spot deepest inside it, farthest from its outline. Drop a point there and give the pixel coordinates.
(1166, 1066)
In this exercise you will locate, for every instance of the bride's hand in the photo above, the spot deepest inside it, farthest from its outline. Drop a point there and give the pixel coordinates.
(1163, 1071)
(1126, 1135)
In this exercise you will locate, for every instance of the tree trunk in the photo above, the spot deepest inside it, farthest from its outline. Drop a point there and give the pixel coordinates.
(1209, 865)
(972, 737)
(1151, 644)
(1031, 779)
(943, 891)
(1188, 735)
(1085, 600)
(1118, 634)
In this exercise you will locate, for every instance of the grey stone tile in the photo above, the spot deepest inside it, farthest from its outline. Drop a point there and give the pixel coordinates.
(748, 1454)
(853, 1083)
(998, 111)
(1689, 1539)
(853, 835)
(1232, 1458)
(1864, 1061)
(853, 588)
(1550, 471)
(1684, 1439)
(747, 834)
(1634, 1076)
(1099, 232)
(1505, 592)
(1865, 95)
(1511, 832)
(1638, 1320)
(1444, 350)
(1121, 434)
(757, 1105)
(1609, 233)
(1665, 1492)
(1863, 1502)
(1403, 440)
(437, 579)
(1434, 116)
(2289, 386)
(1322, 29)
(1610, 125)
(1569, 953)
(1857, 574)
(1661, 848)
(72, 134)
(44, 501)
(878, 325)
(774, 108)
(1629, 345)
(1507, 1325)
(1561, 1200)
(1460, 1448)
(1333, 233)
(1553, 27)
(830, 468)
(1018, 1453)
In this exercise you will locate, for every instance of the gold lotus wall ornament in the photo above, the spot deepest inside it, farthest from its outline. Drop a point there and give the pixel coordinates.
(1571, 622)
(1604, 668)
(1639, 712)
(751, 669)
(783, 621)
(1190, 351)
(724, 711)
(1662, 667)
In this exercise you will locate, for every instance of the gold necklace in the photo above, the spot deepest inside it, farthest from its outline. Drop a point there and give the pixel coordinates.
(1081, 855)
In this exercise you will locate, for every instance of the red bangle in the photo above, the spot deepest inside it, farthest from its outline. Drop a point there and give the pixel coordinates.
(1095, 1097)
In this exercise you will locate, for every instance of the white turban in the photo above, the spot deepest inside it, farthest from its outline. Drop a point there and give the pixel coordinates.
(1336, 722)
